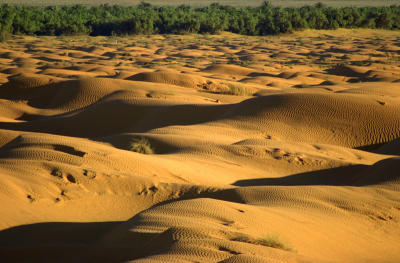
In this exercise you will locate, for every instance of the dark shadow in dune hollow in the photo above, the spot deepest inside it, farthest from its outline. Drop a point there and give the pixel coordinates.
(340, 176)
(52, 242)
(119, 118)
(381, 172)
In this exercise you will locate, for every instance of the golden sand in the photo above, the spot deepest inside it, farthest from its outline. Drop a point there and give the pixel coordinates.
(265, 149)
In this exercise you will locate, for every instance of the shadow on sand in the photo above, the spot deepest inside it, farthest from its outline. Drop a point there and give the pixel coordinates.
(52, 242)
(384, 171)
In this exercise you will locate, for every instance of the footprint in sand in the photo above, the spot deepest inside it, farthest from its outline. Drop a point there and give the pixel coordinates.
(89, 174)
(71, 178)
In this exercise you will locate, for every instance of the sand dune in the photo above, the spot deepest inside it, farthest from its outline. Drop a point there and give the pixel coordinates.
(168, 77)
(285, 149)
(321, 118)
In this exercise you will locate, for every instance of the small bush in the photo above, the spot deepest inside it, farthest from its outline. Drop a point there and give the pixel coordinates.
(225, 89)
(361, 63)
(141, 145)
(237, 91)
(275, 242)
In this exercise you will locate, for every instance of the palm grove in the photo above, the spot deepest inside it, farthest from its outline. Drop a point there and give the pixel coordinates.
(148, 19)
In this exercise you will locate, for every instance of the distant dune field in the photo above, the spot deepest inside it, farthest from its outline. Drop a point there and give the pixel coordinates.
(284, 3)
(201, 148)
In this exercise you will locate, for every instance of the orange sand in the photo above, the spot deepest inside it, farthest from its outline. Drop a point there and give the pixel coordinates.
(301, 165)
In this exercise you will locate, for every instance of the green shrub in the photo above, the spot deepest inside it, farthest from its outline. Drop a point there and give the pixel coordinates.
(361, 63)
(147, 19)
(141, 145)
(4, 35)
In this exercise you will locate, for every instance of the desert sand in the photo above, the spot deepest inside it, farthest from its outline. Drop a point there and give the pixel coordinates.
(265, 149)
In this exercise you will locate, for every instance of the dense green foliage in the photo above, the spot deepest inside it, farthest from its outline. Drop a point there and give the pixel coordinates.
(148, 19)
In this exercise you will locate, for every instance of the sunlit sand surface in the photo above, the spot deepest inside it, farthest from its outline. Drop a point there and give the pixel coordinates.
(260, 149)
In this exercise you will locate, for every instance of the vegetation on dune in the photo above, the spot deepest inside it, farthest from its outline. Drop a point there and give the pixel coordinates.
(141, 145)
(237, 91)
(230, 89)
(148, 19)
(4, 35)
(273, 241)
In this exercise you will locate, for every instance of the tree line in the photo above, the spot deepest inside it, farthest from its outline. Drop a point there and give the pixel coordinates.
(147, 19)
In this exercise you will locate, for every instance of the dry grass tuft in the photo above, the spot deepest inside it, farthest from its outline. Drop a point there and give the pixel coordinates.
(141, 145)
(237, 91)
(276, 242)
(273, 241)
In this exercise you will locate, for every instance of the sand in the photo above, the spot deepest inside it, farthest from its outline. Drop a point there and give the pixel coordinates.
(265, 149)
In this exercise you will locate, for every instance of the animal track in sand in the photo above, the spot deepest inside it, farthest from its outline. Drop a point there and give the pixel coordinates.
(279, 154)
(316, 147)
(150, 190)
(380, 217)
(57, 173)
(89, 174)
(30, 198)
(228, 223)
(71, 178)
